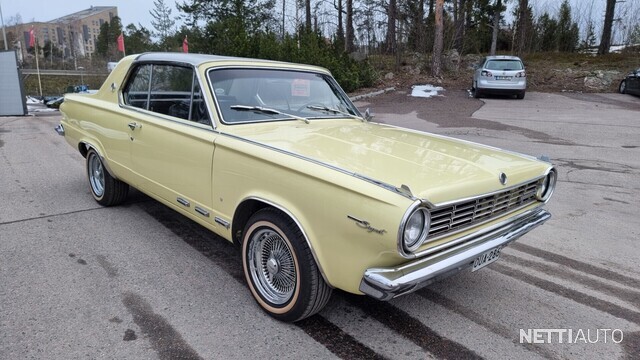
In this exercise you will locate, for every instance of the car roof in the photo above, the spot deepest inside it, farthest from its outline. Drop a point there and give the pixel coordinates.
(502, 57)
(198, 59)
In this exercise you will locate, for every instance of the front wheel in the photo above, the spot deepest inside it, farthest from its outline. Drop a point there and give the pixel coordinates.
(623, 87)
(520, 96)
(279, 268)
(106, 190)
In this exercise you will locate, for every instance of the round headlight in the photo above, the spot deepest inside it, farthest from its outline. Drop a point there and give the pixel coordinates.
(548, 185)
(416, 229)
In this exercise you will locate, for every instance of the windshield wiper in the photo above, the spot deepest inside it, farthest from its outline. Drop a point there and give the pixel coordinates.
(335, 111)
(265, 110)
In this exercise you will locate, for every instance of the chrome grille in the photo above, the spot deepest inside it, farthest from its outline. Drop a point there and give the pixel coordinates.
(458, 216)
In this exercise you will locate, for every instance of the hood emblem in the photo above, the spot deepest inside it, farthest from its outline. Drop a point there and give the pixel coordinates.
(503, 178)
(365, 225)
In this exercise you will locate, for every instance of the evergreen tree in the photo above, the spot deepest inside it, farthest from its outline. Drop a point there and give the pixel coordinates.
(138, 39)
(567, 31)
(162, 22)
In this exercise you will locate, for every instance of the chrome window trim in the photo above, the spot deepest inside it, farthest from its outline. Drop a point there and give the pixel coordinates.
(295, 220)
(125, 81)
(344, 95)
(329, 166)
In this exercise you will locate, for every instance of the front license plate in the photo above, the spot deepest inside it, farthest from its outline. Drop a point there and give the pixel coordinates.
(486, 258)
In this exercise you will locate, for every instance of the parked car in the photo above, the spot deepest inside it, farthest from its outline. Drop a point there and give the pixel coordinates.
(631, 83)
(499, 75)
(275, 157)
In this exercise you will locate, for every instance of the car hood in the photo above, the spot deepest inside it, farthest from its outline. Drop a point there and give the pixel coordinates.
(435, 168)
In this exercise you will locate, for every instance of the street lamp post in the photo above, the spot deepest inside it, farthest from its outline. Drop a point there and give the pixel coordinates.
(81, 74)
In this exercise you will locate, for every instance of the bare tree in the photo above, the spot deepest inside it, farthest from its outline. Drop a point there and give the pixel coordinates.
(391, 26)
(307, 13)
(522, 27)
(605, 41)
(496, 26)
(436, 61)
(458, 20)
(350, 32)
(340, 23)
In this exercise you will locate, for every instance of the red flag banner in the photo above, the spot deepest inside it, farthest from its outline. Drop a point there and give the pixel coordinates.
(32, 37)
(121, 42)
(185, 45)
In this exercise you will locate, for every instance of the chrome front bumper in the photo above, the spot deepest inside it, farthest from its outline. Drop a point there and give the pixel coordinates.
(388, 283)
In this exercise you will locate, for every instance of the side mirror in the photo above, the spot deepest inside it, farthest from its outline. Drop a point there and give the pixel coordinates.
(368, 115)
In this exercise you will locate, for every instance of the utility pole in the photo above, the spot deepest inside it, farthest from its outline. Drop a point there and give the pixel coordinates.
(4, 34)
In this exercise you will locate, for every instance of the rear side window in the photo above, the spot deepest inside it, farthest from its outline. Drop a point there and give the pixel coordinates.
(504, 65)
(136, 92)
(167, 89)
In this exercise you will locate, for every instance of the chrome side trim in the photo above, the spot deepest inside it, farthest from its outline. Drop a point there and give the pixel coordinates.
(329, 166)
(222, 222)
(183, 202)
(388, 283)
(59, 129)
(295, 220)
(201, 211)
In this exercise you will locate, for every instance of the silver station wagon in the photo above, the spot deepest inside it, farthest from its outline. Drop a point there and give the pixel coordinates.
(500, 75)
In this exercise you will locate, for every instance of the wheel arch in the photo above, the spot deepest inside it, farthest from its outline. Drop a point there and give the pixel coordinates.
(84, 147)
(250, 206)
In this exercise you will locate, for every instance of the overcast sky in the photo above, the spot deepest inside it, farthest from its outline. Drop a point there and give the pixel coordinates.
(130, 11)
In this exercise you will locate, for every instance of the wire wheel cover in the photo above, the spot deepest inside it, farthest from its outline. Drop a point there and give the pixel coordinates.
(96, 175)
(272, 267)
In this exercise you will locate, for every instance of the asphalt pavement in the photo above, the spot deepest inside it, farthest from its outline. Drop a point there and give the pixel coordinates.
(139, 281)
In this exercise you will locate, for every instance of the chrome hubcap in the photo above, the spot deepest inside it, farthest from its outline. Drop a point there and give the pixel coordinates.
(271, 266)
(96, 175)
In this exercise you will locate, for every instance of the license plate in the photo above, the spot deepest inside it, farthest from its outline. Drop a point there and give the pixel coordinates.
(503, 77)
(486, 258)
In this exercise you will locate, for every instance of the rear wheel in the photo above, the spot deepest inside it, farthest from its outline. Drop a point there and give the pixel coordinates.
(106, 190)
(475, 92)
(623, 87)
(279, 268)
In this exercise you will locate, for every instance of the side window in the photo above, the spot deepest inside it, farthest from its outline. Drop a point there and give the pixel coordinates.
(136, 92)
(171, 90)
(167, 89)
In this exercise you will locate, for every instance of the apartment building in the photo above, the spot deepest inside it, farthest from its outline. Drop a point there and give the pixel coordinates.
(74, 34)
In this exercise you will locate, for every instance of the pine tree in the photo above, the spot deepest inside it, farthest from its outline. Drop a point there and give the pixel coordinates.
(162, 22)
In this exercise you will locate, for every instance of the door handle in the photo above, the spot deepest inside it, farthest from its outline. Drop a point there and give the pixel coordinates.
(133, 125)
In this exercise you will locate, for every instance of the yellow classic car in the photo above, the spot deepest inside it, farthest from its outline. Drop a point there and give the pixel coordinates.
(274, 156)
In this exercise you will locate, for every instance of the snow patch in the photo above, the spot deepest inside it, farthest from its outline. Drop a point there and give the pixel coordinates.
(426, 91)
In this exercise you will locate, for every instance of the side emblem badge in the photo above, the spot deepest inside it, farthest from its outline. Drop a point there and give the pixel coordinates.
(503, 178)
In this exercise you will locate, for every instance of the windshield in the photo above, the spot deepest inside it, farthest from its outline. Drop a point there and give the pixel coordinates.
(255, 95)
(504, 65)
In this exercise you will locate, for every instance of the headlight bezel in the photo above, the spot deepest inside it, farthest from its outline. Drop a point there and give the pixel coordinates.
(547, 185)
(406, 250)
